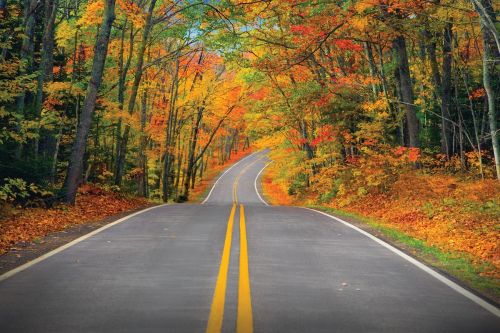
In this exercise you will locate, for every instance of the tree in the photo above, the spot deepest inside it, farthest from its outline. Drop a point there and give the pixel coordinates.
(100, 51)
(491, 61)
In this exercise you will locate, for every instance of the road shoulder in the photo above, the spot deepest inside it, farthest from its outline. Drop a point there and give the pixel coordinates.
(25, 252)
(429, 256)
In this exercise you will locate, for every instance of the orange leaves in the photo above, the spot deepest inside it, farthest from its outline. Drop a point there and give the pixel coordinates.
(477, 94)
(92, 204)
(92, 14)
(410, 154)
(132, 11)
(413, 154)
(259, 94)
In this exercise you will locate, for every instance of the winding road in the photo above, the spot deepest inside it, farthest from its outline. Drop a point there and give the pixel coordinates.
(235, 264)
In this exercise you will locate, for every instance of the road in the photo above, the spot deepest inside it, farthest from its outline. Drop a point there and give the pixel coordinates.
(235, 264)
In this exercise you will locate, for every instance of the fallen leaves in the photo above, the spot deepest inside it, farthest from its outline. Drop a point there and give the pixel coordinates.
(92, 204)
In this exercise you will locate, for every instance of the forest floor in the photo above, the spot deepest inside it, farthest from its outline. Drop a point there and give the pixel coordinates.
(450, 224)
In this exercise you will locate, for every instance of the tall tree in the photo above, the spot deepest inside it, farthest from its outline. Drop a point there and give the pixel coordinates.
(406, 88)
(491, 62)
(446, 91)
(122, 151)
(100, 51)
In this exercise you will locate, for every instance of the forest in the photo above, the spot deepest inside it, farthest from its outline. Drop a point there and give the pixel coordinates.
(356, 99)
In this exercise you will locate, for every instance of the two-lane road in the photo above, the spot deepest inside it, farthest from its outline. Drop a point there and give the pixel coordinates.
(235, 264)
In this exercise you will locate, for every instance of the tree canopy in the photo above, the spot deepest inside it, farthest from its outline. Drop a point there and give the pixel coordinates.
(146, 95)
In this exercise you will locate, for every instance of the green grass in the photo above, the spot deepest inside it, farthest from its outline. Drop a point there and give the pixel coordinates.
(459, 265)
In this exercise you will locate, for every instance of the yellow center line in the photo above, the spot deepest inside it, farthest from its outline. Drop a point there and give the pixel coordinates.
(237, 180)
(217, 309)
(244, 321)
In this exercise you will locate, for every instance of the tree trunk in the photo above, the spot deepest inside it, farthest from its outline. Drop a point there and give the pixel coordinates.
(192, 151)
(372, 67)
(143, 180)
(413, 124)
(491, 60)
(488, 21)
(170, 134)
(446, 91)
(47, 54)
(123, 69)
(78, 149)
(27, 47)
(53, 169)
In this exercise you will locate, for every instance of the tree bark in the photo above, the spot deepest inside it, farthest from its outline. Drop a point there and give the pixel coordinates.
(27, 47)
(192, 150)
(47, 54)
(78, 149)
(446, 91)
(143, 180)
(170, 134)
(406, 86)
(372, 67)
(491, 59)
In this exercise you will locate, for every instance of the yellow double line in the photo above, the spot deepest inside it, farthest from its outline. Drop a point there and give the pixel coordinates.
(244, 318)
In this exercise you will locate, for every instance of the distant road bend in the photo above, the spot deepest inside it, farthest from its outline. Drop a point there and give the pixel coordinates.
(235, 264)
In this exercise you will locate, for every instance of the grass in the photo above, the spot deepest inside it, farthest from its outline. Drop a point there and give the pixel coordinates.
(458, 265)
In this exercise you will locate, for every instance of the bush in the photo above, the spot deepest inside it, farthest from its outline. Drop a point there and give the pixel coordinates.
(16, 191)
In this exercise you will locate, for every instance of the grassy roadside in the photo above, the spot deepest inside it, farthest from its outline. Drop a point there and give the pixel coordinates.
(459, 266)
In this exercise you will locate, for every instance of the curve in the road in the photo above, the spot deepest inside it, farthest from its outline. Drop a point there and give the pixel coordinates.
(284, 269)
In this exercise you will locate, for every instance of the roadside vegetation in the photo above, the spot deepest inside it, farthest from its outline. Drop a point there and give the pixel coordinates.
(449, 221)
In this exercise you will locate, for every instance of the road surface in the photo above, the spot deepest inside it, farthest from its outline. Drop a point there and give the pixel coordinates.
(235, 264)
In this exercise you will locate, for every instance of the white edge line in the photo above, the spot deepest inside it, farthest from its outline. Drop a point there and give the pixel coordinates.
(220, 177)
(255, 184)
(476, 299)
(73, 242)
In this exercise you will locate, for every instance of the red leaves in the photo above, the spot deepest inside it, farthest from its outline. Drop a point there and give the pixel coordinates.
(302, 30)
(348, 45)
(324, 134)
(323, 101)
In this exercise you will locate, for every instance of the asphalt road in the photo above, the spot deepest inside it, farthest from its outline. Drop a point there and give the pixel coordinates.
(235, 264)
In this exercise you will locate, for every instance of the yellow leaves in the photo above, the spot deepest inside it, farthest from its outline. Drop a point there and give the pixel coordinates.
(360, 24)
(63, 88)
(380, 105)
(65, 34)
(361, 6)
(93, 14)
